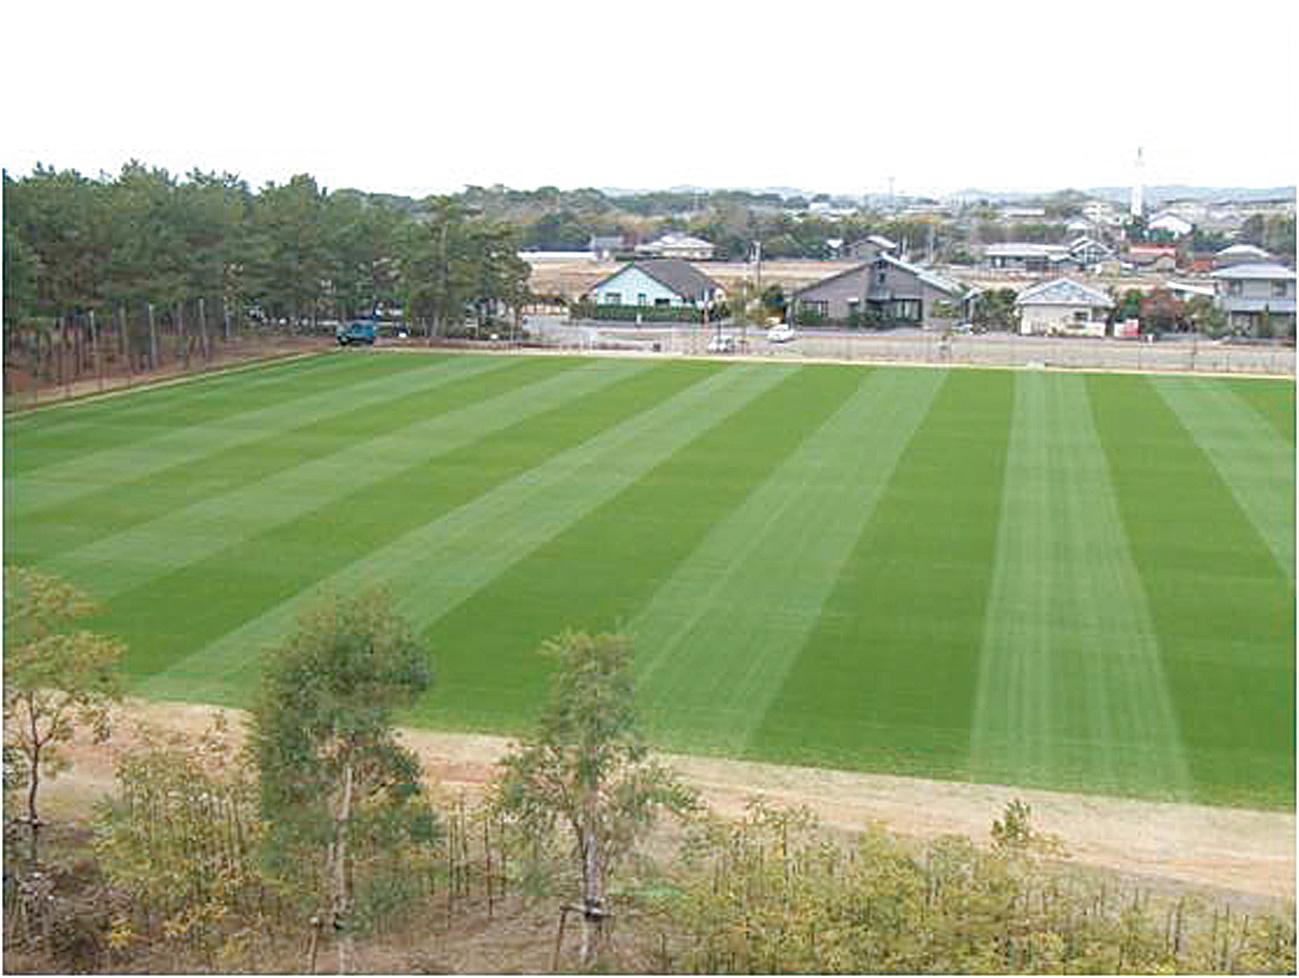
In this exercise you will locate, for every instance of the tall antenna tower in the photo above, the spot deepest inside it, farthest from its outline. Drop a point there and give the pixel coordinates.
(1138, 189)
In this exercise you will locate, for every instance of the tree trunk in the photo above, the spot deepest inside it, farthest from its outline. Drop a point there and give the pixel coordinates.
(342, 926)
(593, 912)
(33, 777)
(153, 341)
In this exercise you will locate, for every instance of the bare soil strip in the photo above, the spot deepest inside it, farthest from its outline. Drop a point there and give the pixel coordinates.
(1249, 852)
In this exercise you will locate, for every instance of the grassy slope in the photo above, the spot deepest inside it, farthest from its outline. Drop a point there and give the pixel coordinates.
(1065, 581)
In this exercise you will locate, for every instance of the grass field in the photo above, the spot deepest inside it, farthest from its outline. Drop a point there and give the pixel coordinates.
(1068, 581)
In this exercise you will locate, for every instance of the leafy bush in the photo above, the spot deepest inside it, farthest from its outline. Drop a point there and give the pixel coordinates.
(769, 893)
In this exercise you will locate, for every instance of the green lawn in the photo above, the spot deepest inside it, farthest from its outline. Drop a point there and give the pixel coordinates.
(1067, 581)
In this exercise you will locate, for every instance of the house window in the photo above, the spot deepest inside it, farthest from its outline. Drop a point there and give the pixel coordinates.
(1235, 288)
(1081, 316)
(907, 310)
(613, 298)
(642, 299)
(1279, 290)
(662, 302)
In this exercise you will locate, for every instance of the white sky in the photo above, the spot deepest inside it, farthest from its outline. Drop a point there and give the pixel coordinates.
(840, 97)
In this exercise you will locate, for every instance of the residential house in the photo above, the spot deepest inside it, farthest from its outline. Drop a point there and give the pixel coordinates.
(1156, 257)
(884, 291)
(673, 244)
(1166, 222)
(657, 282)
(1062, 307)
(872, 246)
(1088, 251)
(1023, 256)
(1252, 294)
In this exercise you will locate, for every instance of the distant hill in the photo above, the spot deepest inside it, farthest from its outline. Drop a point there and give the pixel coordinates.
(1161, 193)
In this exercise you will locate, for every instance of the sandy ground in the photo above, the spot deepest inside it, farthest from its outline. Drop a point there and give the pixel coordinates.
(1250, 853)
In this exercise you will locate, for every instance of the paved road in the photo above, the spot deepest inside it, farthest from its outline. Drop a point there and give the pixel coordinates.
(1183, 354)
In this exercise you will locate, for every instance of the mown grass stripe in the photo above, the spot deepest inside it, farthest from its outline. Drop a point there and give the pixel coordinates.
(43, 438)
(1249, 454)
(602, 569)
(886, 680)
(254, 573)
(186, 438)
(495, 402)
(581, 458)
(1071, 689)
(718, 637)
(1273, 399)
(1223, 611)
(170, 495)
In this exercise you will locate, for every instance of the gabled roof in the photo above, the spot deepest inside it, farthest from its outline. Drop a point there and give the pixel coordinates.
(675, 274)
(1063, 292)
(929, 278)
(1263, 270)
(674, 239)
(1242, 251)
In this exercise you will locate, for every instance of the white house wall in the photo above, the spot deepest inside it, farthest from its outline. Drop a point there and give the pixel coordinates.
(1060, 319)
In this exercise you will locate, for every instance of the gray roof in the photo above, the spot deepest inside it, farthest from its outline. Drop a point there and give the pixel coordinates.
(1242, 250)
(1063, 292)
(1263, 270)
(1236, 304)
(929, 278)
(1027, 249)
(672, 273)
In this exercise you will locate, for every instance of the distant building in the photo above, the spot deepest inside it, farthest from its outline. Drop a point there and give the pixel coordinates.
(1087, 251)
(1063, 307)
(1170, 223)
(1156, 257)
(1023, 256)
(656, 282)
(1190, 290)
(1023, 213)
(885, 291)
(872, 246)
(1240, 254)
(604, 247)
(676, 245)
(1250, 293)
(1101, 212)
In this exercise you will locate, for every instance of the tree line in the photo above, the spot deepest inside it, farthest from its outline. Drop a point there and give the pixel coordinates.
(291, 252)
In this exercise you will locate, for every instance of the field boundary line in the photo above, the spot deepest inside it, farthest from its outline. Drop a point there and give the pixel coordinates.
(260, 363)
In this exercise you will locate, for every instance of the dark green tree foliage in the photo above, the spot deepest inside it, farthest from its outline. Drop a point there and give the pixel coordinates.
(994, 309)
(342, 797)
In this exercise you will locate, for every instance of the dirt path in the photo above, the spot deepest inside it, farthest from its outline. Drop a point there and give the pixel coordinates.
(1249, 852)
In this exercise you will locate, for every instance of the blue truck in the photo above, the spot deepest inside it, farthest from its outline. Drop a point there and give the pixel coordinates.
(357, 331)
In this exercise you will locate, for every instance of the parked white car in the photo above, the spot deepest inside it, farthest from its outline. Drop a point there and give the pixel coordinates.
(782, 333)
(721, 343)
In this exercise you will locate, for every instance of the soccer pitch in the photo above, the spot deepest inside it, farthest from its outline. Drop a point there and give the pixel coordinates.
(1071, 581)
